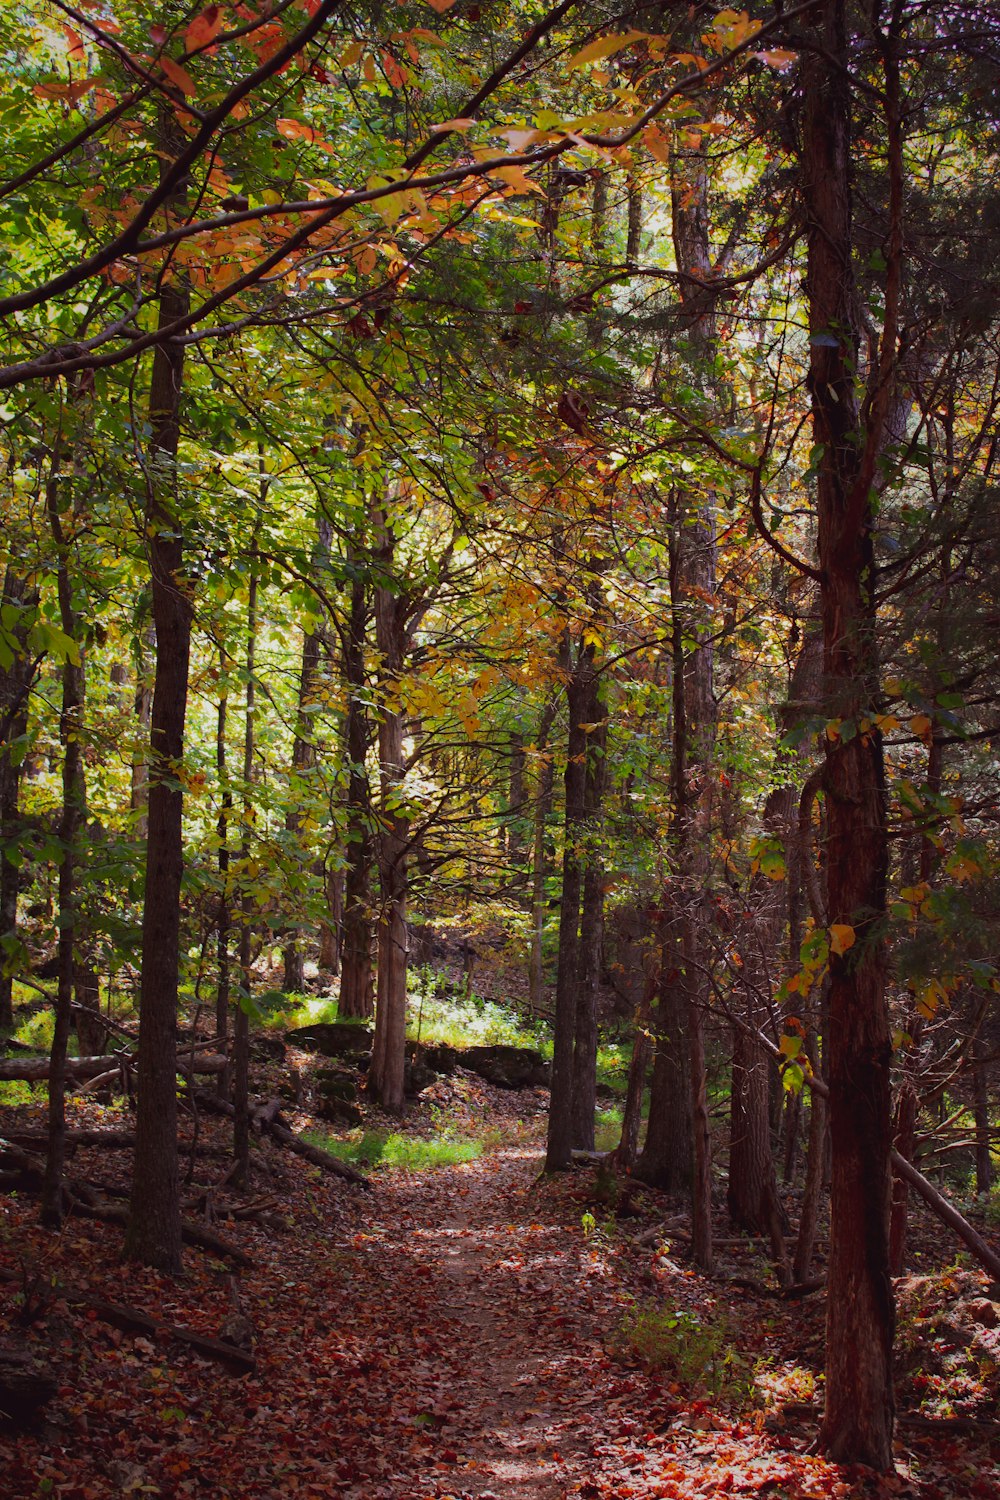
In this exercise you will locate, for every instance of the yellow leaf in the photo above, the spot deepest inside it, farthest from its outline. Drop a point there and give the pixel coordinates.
(605, 46)
(886, 722)
(833, 730)
(841, 937)
(922, 725)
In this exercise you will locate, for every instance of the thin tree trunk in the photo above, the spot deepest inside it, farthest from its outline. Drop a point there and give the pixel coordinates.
(356, 971)
(981, 1085)
(153, 1236)
(627, 1149)
(15, 685)
(241, 1020)
(74, 794)
(544, 790)
(591, 930)
(224, 925)
(560, 1128)
(142, 707)
(386, 1077)
(303, 746)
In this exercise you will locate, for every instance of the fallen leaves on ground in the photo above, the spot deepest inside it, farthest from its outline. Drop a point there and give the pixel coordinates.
(454, 1334)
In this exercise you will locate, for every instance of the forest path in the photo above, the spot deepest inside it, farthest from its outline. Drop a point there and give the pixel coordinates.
(510, 1310)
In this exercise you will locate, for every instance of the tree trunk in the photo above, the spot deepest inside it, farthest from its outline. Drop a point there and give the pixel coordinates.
(627, 1149)
(15, 685)
(389, 1046)
(544, 789)
(560, 1128)
(241, 1020)
(304, 748)
(356, 954)
(981, 1085)
(858, 1421)
(591, 930)
(73, 811)
(667, 1157)
(222, 986)
(154, 1228)
(145, 647)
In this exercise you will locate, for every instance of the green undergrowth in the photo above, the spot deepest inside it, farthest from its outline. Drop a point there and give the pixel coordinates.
(693, 1351)
(406, 1153)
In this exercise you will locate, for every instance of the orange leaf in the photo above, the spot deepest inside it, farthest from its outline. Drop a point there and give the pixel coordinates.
(204, 28)
(842, 937)
(440, 5)
(178, 75)
(75, 41)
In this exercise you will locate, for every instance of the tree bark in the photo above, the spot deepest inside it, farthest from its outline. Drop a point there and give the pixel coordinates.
(154, 1227)
(858, 1421)
(560, 1127)
(71, 727)
(591, 929)
(304, 747)
(544, 788)
(389, 1045)
(241, 1020)
(15, 686)
(356, 970)
(224, 924)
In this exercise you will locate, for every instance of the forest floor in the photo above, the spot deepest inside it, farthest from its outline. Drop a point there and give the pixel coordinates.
(473, 1331)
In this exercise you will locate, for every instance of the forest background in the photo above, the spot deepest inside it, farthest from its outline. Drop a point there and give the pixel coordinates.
(530, 470)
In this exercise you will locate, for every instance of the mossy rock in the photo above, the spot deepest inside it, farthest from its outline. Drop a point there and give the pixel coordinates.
(333, 1039)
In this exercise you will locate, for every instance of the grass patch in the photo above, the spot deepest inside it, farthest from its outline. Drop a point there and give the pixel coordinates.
(281, 1012)
(608, 1128)
(406, 1153)
(459, 1022)
(17, 1091)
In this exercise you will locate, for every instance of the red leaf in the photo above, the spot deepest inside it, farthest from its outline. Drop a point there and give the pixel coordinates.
(178, 75)
(204, 28)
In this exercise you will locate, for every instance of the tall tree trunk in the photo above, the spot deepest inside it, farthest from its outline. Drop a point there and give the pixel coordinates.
(591, 929)
(15, 686)
(145, 647)
(515, 809)
(224, 925)
(752, 1197)
(154, 1228)
(858, 1421)
(544, 789)
(386, 1077)
(627, 1149)
(356, 970)
(981, 1085)
(560, 1128)
(73, 810)
(241, 1020)
(303, 745)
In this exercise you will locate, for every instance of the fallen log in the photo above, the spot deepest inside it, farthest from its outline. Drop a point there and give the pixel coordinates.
(191, 1233)
(315, 1155)
(131, 1320)
(36, 1069)
(936, 1202)
(268, 1118)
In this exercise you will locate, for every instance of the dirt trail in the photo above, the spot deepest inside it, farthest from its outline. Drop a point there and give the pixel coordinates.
(521, 1308)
